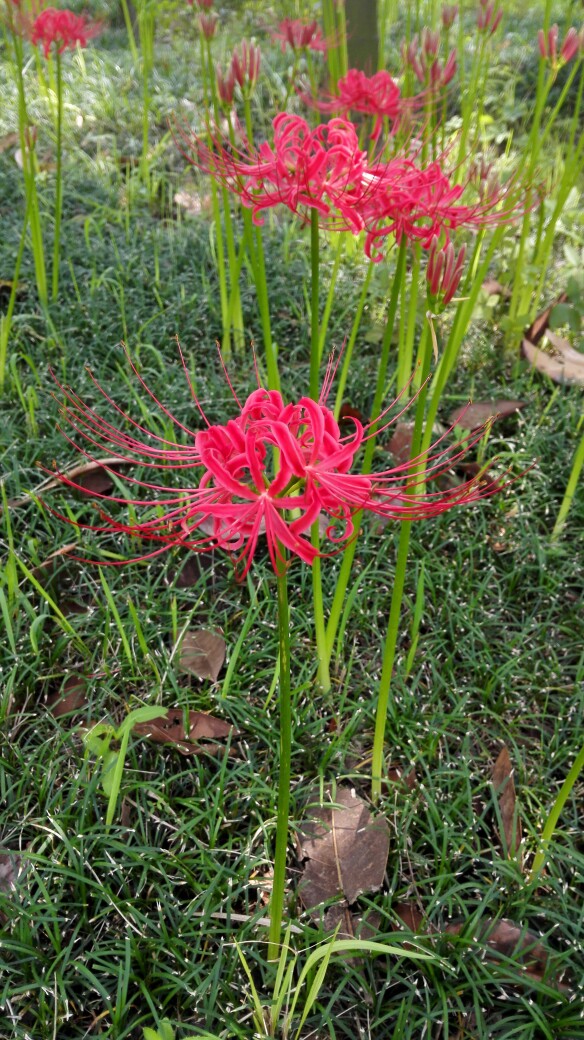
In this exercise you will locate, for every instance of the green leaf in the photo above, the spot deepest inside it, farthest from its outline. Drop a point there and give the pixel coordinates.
(95, 743)
(562, 314)
(146, 713)
(108, 771)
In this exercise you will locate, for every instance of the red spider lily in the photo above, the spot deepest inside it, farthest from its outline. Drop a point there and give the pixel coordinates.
(548, 45)
(444, 272)
(376, 95)
(422, 57)
(62, 28)
(238, 492)
(322, 169)
(245, 63)
(423, 205)
(488, 17)
(300, 36)
(208, 25)
(449, 14)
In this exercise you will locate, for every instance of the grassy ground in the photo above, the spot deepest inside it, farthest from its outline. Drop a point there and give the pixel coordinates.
(106, 931)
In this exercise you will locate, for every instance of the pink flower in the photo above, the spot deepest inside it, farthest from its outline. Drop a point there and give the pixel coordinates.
(299, 35)
(376, 95)
(444, 272)
(245, 64)
(548, 46)
(208, 25)
(233, 492)
(304, 169)
(421, 204)
(62, 28)
(449, 13)
(422, 57)
(488, 17)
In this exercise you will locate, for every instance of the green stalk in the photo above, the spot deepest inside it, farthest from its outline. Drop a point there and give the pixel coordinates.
(349, 552)
(322, 647)
(6, 319)
(314, 300)
(261, 285)
(348, 351)
(389, 650)
(130, 31)
(29, 175)
(404, 361)
(331, 295)
(279, 882)
(59, 180)
(570, 489)
(552, 820)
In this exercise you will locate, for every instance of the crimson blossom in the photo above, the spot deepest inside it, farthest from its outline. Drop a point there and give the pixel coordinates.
(62, 28)
(300, 36)
(236, 490)
(304, 169)
(377, 96)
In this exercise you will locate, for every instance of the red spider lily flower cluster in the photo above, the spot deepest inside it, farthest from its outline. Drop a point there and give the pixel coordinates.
(444, 272)
(488, 17)
(449, 14)
(321, 168)
(237, 493)
(324, 169)
(376, 95)
(243, 70)
(548, 45)
(64, 29)
(300, 36)
(208, 25)
(421, 55)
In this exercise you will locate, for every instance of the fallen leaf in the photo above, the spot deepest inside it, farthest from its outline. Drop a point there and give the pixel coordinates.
(170, 729)
(9, 140)
(494, 288)
(91, 476)
(352, 926)
(202, 653)
(562, 345)
(9, 870)
(536, 330)
(476, 414)
(346, 849)
(54, 557)
(509, 940)
(71, 698)
(562, 369)
(410, 916)
(192, 202)
(6, 288)
(504, 789)
(400, 445)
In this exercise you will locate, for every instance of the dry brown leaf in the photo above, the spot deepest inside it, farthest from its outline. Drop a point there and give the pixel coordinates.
(512, 941)
(536, 330)
(9, 870)
(346, 849)
(400, 445)
(352, 926)
(9, 140)
(494, 288)
(71, 698)
(562, 345)
(54, 557)
(170, 729)
(202, 653)
(410, 916)
(504, 788)
(91, 476)
(477, 413)
(562, 368)
(192, 202)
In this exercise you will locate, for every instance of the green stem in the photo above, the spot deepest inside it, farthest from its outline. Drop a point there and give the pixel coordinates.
(59, 180)
(552, 820)
(130, 31)
(348, 351)
(6, 319)
(279, 882)
(331, 295)
(322, 647)
(570, 489)
(314, 299)
(389, 650)
(349, 553)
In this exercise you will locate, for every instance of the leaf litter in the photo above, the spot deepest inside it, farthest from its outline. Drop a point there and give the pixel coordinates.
(202, 653)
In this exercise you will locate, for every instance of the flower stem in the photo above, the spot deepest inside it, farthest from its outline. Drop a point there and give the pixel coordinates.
(389, 650)
(323, 650)
(552, 820)
(570, 489)
(279, 882)
(59, 180)
(314, 331)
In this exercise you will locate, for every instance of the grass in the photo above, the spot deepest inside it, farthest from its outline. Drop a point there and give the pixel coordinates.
(108, 931)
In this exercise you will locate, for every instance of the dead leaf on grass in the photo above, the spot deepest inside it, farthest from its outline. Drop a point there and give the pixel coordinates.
(536, 330)
(202, 653)
(346, 849)
(9, 140)
(494, 288)
(352, 926)
(170, 729)
(507, 939)
(477, 413)
(91, 476)
(9, 870)
(504, 789)
(70, 698)
(400, 445)
(562, 345)
(192, 202)
(567, 366)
